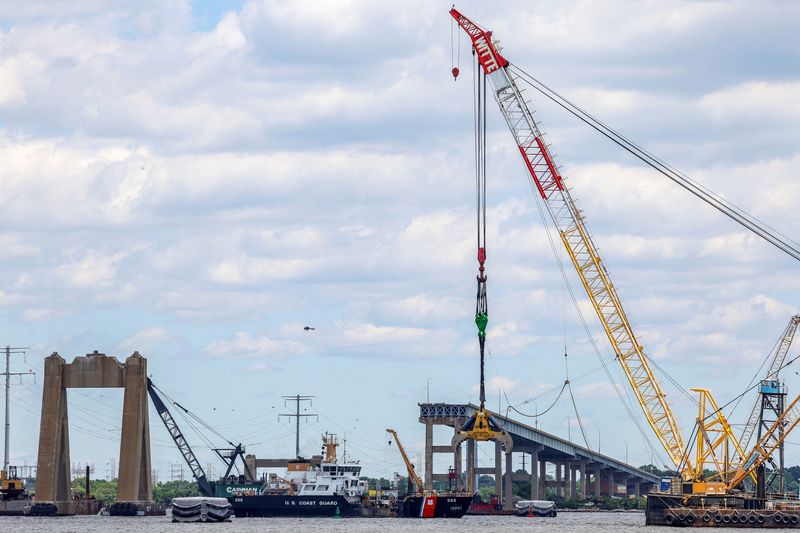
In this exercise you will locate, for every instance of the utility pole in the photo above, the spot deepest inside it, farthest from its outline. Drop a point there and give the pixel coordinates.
(9, 351)
(297, 398)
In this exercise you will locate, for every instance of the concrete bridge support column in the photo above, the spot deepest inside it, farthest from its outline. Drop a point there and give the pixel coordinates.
(457, 465)
(637, 487)
(52, 475)
(507, 481)
(428, 455)
(472, 485)
(542, 479)
(135, 482)
(569, 479)
(535, 472)
(597, 477)
(498, 472)
(612, 487)
(559, 485)
(625, 478)
(583, 485)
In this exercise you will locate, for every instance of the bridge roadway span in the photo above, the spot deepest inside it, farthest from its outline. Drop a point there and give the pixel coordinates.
(575, 471)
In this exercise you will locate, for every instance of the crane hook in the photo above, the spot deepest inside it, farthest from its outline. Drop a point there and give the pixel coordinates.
(455, 73)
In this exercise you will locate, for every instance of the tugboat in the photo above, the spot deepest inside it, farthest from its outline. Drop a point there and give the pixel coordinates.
(432, 504)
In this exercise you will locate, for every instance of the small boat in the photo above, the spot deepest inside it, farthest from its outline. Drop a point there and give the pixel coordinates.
(536, 508)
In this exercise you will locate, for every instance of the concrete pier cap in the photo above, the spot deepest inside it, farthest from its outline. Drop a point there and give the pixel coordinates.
(94, 370)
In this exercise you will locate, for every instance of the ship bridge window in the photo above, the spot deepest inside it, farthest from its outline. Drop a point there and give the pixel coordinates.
(321, 487)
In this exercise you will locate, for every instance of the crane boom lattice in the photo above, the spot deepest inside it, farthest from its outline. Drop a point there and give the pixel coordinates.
(769, 443)
(779, 357)
(413, 477)
(180, 441)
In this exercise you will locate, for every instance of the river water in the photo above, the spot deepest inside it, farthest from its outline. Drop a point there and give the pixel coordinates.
(563, 523)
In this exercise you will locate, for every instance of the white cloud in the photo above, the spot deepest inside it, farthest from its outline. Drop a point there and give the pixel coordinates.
(93, 269)
(147, 341)
(243, 346)
(754, 100)
(38, 315)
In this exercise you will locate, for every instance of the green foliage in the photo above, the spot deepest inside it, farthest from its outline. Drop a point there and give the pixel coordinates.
(486, 493)
(657, 471)
(610, 504)
(106, 491)
(791, 476)
(486, 481)
(101, 489)
(165, 492)
(522, 489)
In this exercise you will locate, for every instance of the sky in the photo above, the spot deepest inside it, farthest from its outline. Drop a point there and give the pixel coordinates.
(198, 181)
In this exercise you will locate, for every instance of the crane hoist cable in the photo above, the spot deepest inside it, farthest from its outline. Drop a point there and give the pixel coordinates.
(572, 396)
(482, 303)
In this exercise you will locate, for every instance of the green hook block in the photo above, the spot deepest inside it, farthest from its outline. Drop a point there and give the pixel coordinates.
(481, 320)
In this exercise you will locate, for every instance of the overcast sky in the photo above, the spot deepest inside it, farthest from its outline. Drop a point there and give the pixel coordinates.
(199, 180)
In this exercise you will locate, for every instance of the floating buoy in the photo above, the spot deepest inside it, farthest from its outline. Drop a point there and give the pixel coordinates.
(455, 72)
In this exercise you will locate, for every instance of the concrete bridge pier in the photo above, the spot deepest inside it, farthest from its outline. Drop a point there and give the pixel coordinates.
(95, 370)
(508, 492)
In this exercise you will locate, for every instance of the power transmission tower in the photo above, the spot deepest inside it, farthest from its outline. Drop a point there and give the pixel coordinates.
(111, 469)
(297, 416)
(9, 352)
(176, 471)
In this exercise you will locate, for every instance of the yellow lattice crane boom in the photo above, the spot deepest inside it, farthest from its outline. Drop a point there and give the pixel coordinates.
(717, 449)
(412, 474)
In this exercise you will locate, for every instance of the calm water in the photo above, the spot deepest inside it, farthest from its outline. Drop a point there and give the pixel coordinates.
(563, 523)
